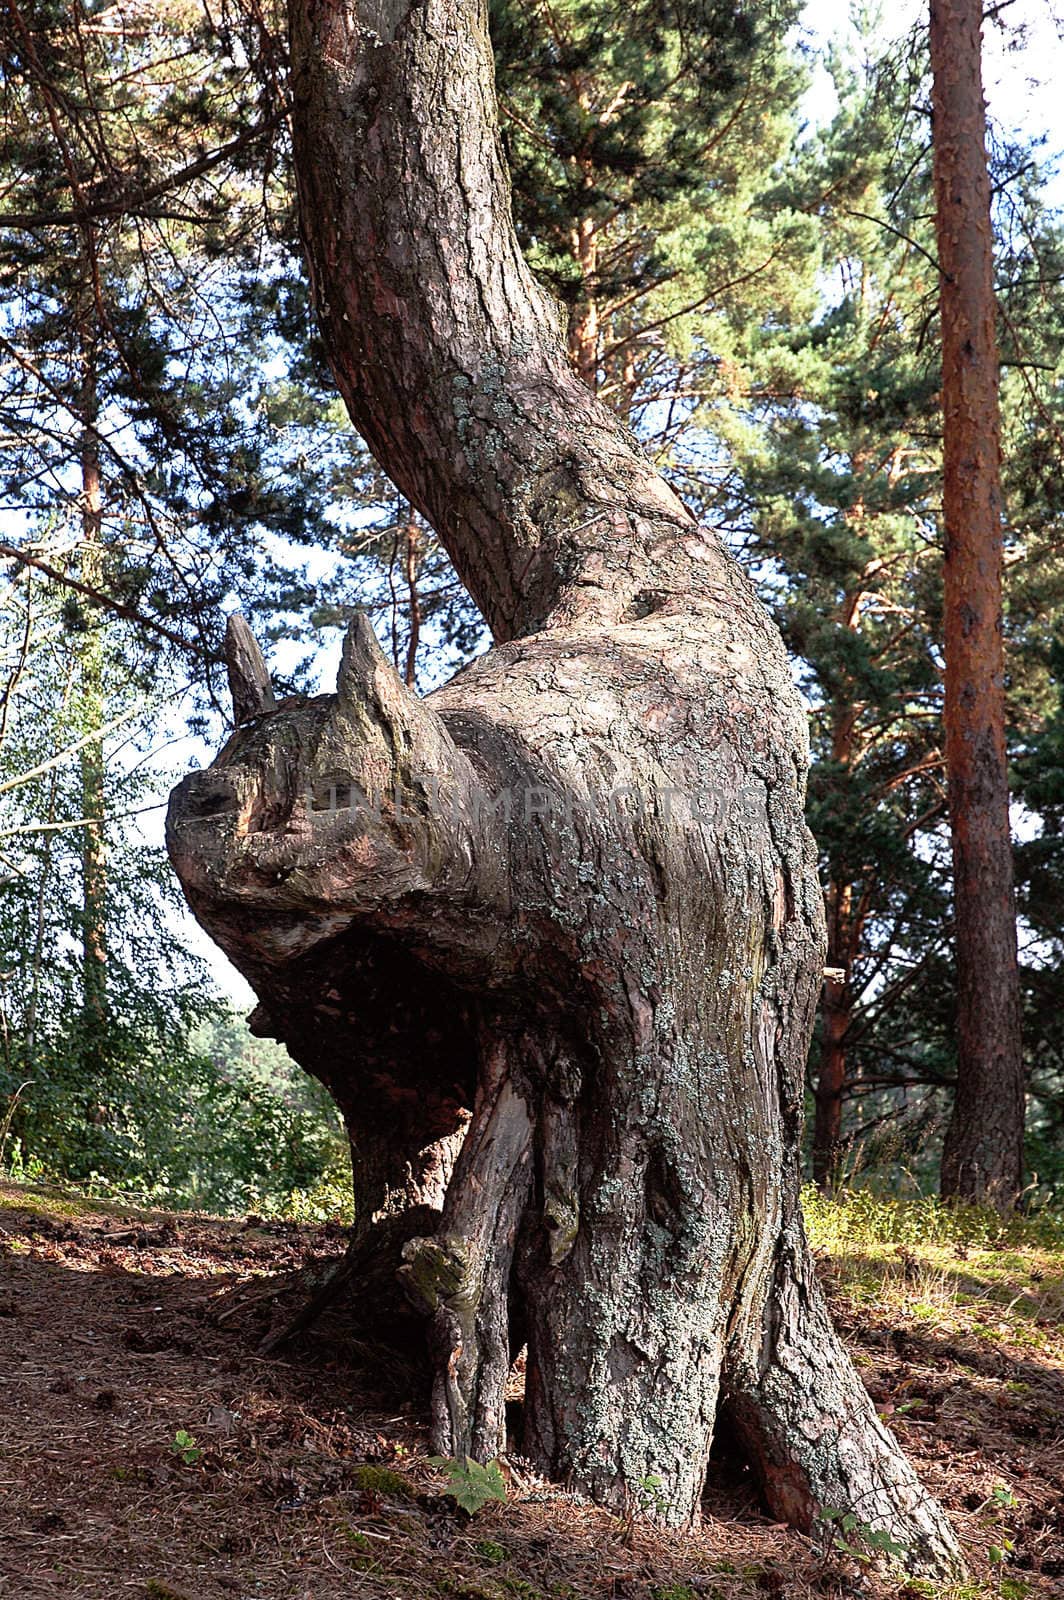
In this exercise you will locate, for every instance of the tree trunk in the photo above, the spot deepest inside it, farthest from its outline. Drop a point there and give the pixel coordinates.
(837, 1008)
(584, 320)
(91, 697)
(983, 1154)
(831, 1081)
(581, 867)
(843, 927)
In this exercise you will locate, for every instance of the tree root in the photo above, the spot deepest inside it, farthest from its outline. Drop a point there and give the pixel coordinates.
(373, 1254)
(461, 1277)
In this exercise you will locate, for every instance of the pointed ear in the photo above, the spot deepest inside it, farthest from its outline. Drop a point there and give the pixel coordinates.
(249, 679)
(362, 659)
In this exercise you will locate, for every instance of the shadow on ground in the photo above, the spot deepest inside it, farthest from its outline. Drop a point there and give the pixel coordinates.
(146, 1448)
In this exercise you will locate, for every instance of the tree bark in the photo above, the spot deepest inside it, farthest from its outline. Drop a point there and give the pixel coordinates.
(983, 1153)
(584, 860)
(831, 1081)
(91, 694)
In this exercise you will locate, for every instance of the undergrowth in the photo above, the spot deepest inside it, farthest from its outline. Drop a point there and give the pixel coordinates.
(857, 1217)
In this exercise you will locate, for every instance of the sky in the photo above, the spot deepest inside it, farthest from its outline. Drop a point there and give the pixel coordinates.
(1023, 61)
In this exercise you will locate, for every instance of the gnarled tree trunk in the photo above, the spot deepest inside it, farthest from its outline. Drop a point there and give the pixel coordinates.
(573, 889)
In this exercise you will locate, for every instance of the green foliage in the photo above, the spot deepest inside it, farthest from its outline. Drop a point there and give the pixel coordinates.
(132, 343)
(142, 1082)
(835, 500)
(184, 1446)
(469, 1484)
(261, 1135)
(226, 1124)
(648, 1496)
(857, 1217)
(837, 491)
(643, 145)
(861, 1540)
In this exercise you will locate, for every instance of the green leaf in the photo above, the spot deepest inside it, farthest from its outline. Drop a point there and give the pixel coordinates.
(184, 1445)
(880, 1539)
(471, 1485)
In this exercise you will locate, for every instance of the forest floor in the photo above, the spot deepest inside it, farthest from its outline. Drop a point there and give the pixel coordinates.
(147, 1449)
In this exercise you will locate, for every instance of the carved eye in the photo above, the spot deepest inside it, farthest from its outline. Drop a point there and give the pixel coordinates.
(331, 794)
(269, 814)
(213, 797)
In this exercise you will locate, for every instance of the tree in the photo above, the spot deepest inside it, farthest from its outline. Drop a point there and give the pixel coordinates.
(96, 985)
(839, 487)
(834, 491)
(137, 208)
(573, 888)
(143, 1083)
(983, 1153)
(644, 155)
(642, 145)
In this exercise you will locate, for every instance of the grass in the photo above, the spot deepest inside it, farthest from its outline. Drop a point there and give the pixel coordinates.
(959, 1270)
(860, 1216)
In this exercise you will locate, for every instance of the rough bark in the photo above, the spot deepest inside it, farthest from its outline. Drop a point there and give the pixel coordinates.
(249, 681)
(583, 861)
(983, 1154)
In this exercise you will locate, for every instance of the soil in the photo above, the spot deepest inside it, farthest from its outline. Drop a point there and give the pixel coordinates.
(148, 1449)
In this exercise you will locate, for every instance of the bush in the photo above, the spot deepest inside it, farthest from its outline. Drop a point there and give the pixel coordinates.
(210, 1118)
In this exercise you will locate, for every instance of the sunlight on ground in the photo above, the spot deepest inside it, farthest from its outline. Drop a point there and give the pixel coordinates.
(133, 1342)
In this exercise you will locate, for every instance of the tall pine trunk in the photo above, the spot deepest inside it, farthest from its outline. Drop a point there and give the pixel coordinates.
(983, 1154)
(91, 690)
(831, 1071)
(580, 899)
(837, 1005)
(844, 923)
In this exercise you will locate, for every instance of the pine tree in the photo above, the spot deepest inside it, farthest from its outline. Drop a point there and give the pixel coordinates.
(841, 499)
(837, 454)
(134, 214)
(642, 144)
(643, 147)
(983, 1154)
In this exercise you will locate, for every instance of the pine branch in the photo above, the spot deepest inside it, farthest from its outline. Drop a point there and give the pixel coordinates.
(13, 553)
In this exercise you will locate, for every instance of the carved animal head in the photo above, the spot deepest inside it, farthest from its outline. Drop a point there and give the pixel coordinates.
(316, 810)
